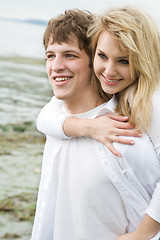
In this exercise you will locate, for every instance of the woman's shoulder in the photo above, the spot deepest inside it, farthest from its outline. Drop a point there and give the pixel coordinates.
(156, 95)
(154, 129)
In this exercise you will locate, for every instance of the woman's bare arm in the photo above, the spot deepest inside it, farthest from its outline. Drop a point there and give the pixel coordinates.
(147, 229)
(105, 129)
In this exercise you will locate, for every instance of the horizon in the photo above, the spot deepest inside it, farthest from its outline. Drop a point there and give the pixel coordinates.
(44, 10)
(27, 28)
(27, 20)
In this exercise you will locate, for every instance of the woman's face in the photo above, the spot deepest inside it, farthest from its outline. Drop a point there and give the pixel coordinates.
(111, 65)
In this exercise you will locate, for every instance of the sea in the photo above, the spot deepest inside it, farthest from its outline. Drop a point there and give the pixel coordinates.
(24, 87)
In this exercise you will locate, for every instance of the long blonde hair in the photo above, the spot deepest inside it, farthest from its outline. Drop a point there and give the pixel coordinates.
(137, 32)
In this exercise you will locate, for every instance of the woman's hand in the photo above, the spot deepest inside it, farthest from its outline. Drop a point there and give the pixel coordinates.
(105, 129)
(108, 129)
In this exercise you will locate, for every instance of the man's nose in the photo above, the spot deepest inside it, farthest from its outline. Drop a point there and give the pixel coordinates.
(58, 64)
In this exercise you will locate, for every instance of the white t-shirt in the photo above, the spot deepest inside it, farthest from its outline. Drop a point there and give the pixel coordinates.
(76, 198)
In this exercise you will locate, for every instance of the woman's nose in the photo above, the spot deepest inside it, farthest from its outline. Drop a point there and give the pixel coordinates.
(110, 69)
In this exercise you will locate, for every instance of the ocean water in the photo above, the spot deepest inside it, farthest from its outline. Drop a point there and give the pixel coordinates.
(24, 87)
(21, 38)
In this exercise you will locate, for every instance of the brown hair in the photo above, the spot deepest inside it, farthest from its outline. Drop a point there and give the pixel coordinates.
(73, 22)
(62, 28)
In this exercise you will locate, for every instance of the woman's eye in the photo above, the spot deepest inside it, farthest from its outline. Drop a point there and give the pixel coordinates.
(123, 61)
(101, 55)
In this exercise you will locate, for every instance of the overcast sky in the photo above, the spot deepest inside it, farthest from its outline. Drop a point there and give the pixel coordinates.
(46, 9)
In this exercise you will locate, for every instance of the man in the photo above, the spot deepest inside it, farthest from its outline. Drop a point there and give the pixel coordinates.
(73, 201)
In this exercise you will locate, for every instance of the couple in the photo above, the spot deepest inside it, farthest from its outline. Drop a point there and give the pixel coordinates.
(91, 190)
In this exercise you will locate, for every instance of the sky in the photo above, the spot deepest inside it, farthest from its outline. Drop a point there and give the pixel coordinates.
(46, 9)
(30, 42)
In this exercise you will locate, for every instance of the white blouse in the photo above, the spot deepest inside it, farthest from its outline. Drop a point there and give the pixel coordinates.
(134, 175)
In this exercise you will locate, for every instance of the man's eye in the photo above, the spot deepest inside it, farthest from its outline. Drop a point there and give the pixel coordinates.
(123, 61)
(70, 56)
(50, 56)
(101, 55)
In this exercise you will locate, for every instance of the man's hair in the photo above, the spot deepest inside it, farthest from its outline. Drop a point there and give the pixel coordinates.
(62, 28)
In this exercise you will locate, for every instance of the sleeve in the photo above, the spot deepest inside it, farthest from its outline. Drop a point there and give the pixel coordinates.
(153, 209)
(154, 130)
(51, 118)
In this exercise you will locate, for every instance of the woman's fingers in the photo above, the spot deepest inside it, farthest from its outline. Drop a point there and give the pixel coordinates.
(129, 133)
(113, 150)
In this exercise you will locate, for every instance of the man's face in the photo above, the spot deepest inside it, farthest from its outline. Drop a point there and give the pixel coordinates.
(68, 71)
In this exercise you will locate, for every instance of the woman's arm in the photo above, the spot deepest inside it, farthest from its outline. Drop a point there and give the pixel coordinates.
(51, 118)
(153, 209)
(150, 224)
(105, 129)
(154, 130)
(147, 229)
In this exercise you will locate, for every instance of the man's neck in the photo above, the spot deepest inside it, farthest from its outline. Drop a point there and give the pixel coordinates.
(83, 105)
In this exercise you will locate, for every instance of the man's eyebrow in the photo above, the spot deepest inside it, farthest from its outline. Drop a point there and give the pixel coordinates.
(66, 51)
(48, 51)
(71, 50)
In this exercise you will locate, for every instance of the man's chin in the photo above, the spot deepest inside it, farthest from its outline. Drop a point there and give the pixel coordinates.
(59, 96)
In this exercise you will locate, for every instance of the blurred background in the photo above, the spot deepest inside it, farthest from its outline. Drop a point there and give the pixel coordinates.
(24, 89)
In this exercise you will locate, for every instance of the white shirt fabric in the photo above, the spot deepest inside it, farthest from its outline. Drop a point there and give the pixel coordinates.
(134, 176)
(76, 199)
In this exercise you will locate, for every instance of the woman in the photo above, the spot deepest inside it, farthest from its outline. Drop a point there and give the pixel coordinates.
(126, 49)
(120, 39)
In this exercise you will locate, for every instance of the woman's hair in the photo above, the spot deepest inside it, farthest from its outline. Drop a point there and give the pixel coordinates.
(137, 32)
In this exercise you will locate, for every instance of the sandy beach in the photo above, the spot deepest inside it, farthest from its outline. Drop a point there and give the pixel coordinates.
(20, 165)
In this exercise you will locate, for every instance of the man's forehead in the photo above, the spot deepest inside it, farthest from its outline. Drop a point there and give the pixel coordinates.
(64, 47)
(71, 45)
(62, 40)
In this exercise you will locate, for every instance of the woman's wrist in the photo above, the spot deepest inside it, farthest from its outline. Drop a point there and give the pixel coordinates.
(76, 127)
(147, 229)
